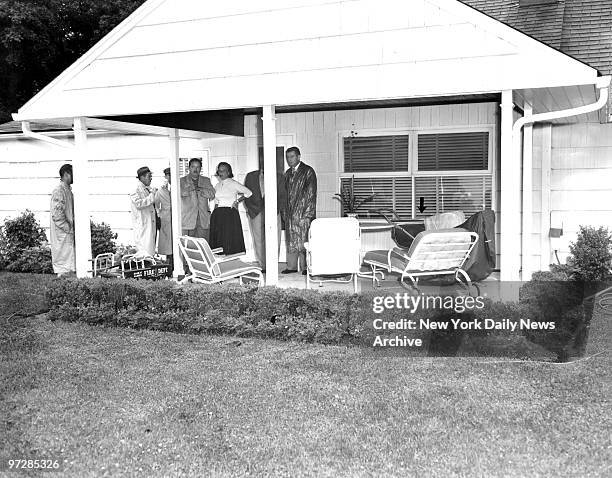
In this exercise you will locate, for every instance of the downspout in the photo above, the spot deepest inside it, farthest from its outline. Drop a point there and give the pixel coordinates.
(28, 133)
(602, 85)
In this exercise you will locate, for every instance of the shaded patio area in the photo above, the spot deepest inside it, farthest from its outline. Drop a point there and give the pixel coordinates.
(390, 285)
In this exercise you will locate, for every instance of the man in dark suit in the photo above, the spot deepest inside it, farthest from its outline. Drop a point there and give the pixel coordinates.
(255, 206)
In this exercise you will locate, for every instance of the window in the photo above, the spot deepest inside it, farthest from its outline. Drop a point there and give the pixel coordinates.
(453, 151)
(450, 171)
(376, 153)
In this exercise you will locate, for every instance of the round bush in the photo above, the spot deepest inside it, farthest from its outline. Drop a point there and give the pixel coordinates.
(102, 239)
(18, 234)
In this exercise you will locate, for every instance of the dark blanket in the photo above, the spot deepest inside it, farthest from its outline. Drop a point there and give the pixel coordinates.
(482, 259)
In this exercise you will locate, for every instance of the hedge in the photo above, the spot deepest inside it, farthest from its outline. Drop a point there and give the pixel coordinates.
(270, 312)
(554, 296)
(245, 311)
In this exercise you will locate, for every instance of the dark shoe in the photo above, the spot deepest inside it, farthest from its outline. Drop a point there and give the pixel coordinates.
(288, 271)
(304, 272)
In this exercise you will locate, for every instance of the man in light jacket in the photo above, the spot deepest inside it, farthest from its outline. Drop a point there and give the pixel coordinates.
(143, 213)
(196, 191)
(163, 206)
(61, 232)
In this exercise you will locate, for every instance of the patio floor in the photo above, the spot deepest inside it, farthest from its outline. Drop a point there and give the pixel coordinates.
(489, 286)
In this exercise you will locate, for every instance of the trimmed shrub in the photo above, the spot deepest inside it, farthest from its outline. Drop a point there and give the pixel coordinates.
(567, 303)
(102, 239)
(591, 255)
(558, 272)
(19, 234)
(246, 311)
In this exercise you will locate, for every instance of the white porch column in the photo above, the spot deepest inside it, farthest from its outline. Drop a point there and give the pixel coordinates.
(175, 199)
(510, 242)
(527, 195)
(80, 171)
(271, 227)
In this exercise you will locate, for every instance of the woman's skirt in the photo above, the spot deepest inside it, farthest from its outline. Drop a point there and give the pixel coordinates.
(226, 230)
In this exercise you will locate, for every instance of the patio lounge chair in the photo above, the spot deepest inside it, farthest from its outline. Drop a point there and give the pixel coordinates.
(333, 251)
(208, 267)
(433, 253)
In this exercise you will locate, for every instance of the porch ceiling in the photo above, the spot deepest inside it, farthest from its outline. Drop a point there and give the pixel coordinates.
(226, 122)
(350, 105)
(127, 126)
(544, 100)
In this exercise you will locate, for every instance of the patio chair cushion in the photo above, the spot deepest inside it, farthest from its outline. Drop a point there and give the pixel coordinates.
(437, 250)
(379, 258)
(444, 220)
(234, 267)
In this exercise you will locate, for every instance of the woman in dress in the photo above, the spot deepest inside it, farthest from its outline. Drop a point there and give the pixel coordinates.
(225, 225)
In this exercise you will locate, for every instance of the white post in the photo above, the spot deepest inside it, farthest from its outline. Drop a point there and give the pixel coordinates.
(527, 194)
(545, 222)
(271, 227)
(510, 244)
(82, 228)
(175, 199)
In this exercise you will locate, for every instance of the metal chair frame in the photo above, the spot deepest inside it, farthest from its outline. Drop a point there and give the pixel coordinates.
(205, 267)
(413, 262)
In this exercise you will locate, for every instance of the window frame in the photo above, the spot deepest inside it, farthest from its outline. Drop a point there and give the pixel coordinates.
(455, 172)
(412, 172)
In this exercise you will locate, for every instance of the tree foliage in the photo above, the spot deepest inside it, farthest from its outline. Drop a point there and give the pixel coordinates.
(102, 239)
(41, 38)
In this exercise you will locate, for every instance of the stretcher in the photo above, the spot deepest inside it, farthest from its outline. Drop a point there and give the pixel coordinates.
(130, 266)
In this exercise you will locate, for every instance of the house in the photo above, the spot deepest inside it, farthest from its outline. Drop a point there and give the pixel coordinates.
(435, 99)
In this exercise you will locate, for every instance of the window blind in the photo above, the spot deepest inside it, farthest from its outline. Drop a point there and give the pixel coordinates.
(453, 151)
(391, 193)
(183, 167)
(376, 153)
(469, 194)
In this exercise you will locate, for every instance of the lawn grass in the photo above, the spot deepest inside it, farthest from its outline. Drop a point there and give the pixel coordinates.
(118, 402)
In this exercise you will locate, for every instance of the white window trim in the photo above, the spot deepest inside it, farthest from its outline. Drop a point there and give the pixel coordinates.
(372, 132)
(412, 171)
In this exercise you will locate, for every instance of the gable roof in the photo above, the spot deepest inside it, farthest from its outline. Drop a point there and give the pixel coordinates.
(183, 55)
(579, 28)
